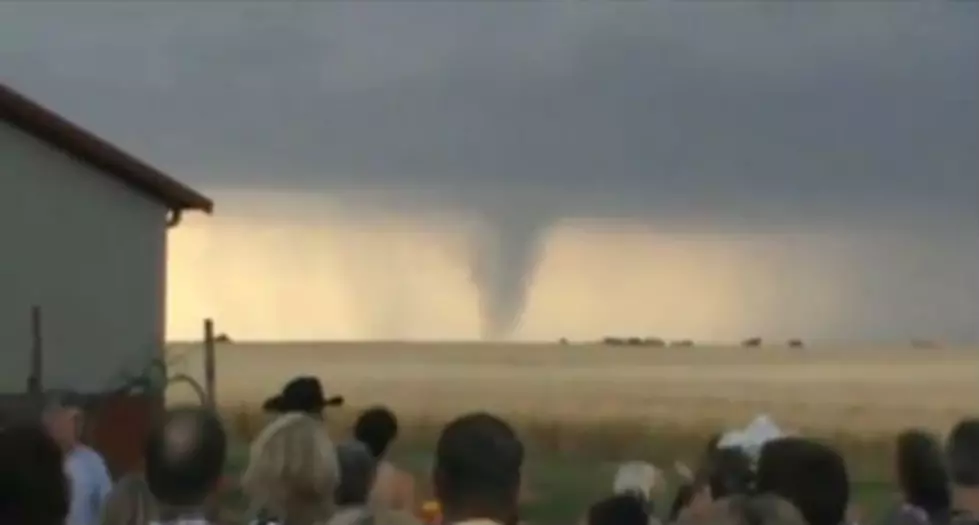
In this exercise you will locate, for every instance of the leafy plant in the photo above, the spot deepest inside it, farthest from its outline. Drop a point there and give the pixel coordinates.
(154, 377)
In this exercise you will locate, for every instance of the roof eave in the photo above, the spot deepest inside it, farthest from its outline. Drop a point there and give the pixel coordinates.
(44, 124)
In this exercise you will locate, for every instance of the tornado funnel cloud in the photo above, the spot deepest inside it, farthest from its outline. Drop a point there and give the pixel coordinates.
(503, 263)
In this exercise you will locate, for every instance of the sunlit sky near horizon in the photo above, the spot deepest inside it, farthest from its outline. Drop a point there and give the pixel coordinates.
(441, 170)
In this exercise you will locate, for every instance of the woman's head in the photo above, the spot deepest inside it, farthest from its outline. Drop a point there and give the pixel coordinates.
(376, 427)
(130, 503)
(293, 469)
(921, 472)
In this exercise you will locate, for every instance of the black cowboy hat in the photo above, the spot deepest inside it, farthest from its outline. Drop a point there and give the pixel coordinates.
(301, 394)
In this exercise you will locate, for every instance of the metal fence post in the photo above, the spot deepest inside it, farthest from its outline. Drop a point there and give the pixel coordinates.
(35, 382)
(209, 363)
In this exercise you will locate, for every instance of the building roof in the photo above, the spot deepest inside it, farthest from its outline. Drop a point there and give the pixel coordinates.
(51, 128)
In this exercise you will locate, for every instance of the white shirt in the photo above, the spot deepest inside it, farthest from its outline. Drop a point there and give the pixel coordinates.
(90, 484)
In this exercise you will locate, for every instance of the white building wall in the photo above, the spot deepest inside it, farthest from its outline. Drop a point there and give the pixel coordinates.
(91, 252)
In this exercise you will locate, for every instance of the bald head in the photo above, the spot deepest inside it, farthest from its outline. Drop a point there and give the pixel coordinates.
(185, 456)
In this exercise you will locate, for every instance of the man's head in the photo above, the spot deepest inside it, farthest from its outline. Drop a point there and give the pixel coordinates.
(185, 456)
(376, 427)
(357, 470)
(808, 474)
(729, 472)
(477, 468)
(921, 473)
(962, 454)
(63, 418)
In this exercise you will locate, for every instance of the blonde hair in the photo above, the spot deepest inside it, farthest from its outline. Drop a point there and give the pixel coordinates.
(130, 503)
(293, 470)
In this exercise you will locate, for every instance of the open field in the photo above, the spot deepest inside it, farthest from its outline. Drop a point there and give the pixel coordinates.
(856, 390)
(580, 409)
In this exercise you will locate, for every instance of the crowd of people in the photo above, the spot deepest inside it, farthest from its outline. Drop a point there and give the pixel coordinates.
(298, 475)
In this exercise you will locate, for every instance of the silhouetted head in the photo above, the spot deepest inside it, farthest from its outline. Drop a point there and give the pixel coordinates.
(921, 472)
(376, 427)
(357, 470)
(962, 454)
(185, 456)
(478, 460)
(618, 510)
(809, 474)
(33, 486)
(729, 472)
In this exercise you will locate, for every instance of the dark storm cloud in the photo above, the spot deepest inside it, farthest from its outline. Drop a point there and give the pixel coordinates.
(747, 111)
(697, 115)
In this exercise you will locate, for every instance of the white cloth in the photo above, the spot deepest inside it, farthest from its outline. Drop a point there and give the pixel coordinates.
(90, 486)
(636, 477)
(751, 438)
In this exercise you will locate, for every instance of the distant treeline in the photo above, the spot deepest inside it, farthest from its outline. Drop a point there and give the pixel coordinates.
(656, 342)
(751, 342)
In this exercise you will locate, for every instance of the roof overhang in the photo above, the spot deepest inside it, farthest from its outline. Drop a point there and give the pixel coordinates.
(44, 124)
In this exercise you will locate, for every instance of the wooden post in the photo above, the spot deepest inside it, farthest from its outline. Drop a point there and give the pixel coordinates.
(209, 364)
(35, 382)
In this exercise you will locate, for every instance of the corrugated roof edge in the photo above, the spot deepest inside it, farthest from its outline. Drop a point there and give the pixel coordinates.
(46, 125)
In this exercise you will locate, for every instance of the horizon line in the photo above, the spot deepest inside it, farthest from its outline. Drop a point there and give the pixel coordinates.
(669, 342)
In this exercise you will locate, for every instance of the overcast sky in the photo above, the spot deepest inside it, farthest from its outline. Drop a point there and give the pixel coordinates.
(851, 121)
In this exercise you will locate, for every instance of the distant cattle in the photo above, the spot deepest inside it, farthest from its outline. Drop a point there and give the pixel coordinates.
(924, 344)
(795, 343)
(634, 341)
(753, 342)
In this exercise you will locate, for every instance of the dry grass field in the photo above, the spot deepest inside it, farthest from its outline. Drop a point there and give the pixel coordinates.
(580, 408)
(862, 391)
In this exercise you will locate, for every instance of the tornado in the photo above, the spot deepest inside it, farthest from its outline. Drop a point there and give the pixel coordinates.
(504, 259)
